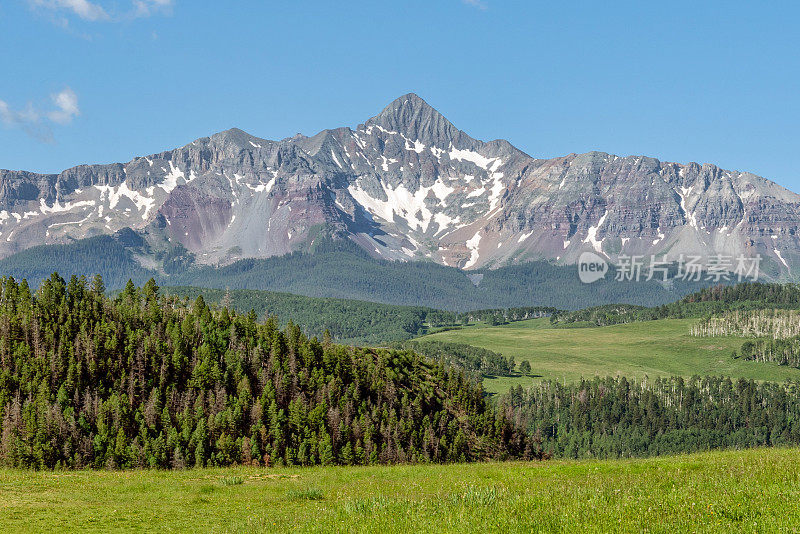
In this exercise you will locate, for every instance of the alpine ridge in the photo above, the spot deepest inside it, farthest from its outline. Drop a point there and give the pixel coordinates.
(406, 185)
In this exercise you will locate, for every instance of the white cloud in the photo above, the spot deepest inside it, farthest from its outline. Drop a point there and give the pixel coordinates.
(67, 106)
(5, 113)
(82, 8)
(37, 123)
(94, 12)
(145, 8)
(480, 4)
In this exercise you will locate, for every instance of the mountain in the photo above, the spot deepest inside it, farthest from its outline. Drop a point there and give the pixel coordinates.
(405, 185)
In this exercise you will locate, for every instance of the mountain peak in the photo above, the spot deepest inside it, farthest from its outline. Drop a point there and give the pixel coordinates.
(414, 117)
(410, 100)
(234, 134)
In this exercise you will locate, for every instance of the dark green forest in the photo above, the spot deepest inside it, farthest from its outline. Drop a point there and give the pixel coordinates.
(347, 321)
(337, 268)
(107, 255)
(353, 321)
(618, 417)
(142, 380)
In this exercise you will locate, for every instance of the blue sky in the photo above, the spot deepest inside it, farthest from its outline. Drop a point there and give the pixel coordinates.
(93, 81)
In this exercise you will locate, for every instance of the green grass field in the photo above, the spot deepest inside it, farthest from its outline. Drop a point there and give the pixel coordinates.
(733, 491)
(652, 348)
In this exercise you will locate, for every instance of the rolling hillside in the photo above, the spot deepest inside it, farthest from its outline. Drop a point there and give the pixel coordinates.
(142, 381)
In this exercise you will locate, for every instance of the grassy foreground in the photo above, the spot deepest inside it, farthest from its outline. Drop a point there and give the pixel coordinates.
(652, 348)
(732, 491)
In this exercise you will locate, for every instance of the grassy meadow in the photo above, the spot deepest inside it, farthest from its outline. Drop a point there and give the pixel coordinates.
(652, 348)
(729, 491)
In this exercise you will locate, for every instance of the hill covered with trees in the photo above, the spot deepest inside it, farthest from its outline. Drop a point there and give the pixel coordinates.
(144, 380)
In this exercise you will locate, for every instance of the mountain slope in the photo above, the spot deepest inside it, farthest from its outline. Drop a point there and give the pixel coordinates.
(340, 269)
(406, 185)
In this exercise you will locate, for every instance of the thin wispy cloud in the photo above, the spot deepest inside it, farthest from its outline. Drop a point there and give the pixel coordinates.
(38, 122)
(81, 8)
(146, 8)
(479, 4)
(89, 11)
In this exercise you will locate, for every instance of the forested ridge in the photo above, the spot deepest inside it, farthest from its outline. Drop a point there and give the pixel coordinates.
(347, 321)
(325, 267)
(142, 380)
(744, 296)
(353, 321)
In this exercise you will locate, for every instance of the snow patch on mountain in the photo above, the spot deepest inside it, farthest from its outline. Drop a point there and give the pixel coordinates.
(473, 244)
(336, 160)
(470, 155)
(114, 194)
(591, 234)
(523, 237)
(402, 203)
(57, 207)
(690, 217)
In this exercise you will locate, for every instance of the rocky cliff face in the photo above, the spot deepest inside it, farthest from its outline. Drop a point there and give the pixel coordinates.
(407, 185)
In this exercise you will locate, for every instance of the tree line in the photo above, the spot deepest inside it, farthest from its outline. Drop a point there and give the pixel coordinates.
(619, 417)
(323, 267)
(353, 321)
(347, 321)
(744, 296)
(144, 380)
(782, 351)
(777, 324)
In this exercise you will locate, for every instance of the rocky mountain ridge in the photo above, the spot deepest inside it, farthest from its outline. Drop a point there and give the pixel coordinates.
(406, 185)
